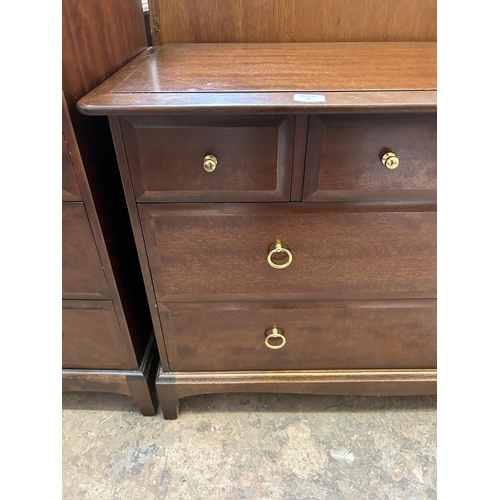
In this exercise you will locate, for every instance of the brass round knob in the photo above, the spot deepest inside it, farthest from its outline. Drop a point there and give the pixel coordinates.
(275, 334)
(209, 163)
(278, 249)
(390, 160)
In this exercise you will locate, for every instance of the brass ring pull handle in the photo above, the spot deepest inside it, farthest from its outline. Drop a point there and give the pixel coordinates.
(390, 160)
(275, 335)
(278, 249)
(209, 163)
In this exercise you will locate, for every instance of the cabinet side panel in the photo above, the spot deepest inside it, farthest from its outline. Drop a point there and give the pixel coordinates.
(98, 39)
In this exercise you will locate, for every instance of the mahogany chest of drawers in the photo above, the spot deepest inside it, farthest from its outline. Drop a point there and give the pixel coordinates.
(283, 202)
(108, 343)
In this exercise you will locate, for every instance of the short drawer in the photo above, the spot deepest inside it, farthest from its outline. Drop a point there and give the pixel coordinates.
(91, 336)
(199, 158)
(345, 153)
(329, 336)
(215, 252)
(82, 273)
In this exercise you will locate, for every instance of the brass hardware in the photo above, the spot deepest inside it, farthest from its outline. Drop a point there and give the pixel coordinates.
(278, 249)
(390, 160)
(275, 335)
(209, 163)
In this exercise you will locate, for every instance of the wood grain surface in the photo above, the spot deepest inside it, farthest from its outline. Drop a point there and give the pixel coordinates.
(241, 77)
(243, 21)
(91, 336)
(172, 386)
(217, 252)
(137, 383)
(98, 38)
(344, 157)
(299, 156)
(138, 237)
(370, 334)
(74, 379)
(82, 274)
(70, 189)
(320, 67)
(254, 157)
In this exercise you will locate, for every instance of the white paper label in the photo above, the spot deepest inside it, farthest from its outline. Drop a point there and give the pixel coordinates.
(309, 98)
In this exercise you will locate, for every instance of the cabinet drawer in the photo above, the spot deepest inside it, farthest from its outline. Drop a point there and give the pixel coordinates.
(82, 274)
(220, 252)
(344, 157)
(166, 157)
(92, 336)
(334, 335)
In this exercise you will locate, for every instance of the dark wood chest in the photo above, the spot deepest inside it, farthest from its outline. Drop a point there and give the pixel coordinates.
(107, 340)
(283, 203)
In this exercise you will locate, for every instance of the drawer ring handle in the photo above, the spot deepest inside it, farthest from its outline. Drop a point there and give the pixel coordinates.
(278, 249)
(275, 334)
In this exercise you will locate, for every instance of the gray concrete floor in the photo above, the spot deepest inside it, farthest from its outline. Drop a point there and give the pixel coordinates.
(250, 446)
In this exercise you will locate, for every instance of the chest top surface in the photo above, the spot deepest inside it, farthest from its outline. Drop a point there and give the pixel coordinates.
(270, 78)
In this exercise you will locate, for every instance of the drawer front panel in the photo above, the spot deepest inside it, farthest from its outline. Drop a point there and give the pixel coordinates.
(82, 274)
(70, 189)
(344, 157)
(206, 252)
(91, 336)
(335, 335)
(166, 157)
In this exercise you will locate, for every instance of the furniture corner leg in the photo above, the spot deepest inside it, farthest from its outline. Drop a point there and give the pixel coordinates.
(143, 394)
(167, 395)
(142, 384)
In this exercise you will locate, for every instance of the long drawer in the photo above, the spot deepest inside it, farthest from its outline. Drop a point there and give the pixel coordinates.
(372, 334)
(202, 252)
